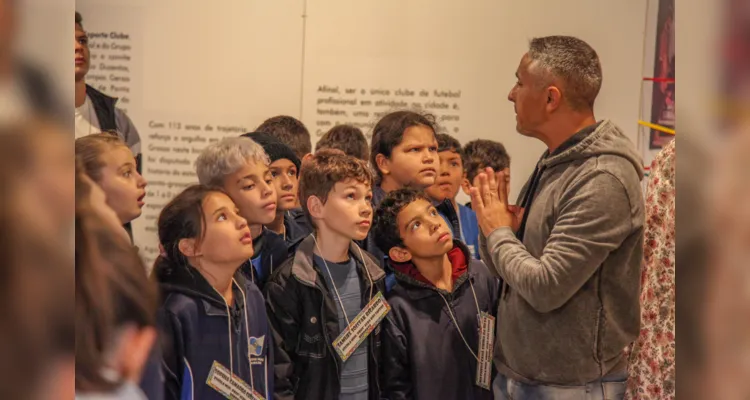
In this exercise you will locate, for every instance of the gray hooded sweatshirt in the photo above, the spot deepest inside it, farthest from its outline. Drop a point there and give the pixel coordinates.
(570, 299)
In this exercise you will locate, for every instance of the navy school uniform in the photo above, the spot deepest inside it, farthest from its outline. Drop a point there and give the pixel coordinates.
(152, 379)
(296, 226)
(199, 332)
(463, 224)
(424, 356)
(271, 251)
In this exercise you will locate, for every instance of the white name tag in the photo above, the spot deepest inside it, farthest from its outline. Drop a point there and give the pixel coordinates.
(485, 351)
(361, 326)
(232, 388)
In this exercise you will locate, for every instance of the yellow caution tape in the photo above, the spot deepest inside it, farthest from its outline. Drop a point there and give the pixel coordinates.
(656, 127)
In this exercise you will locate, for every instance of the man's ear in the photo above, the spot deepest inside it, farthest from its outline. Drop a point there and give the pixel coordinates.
(399, 254)
(554, 98)
(383, 164)
(188, 248)
(306, 157)
(315, 207)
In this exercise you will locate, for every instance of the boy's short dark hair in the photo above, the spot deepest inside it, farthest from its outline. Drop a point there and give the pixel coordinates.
(79, 19)
(346, 138)
(447, 142)
(483, 153)
(385, 222)
(290, 131)
(389, 132)
(320, 174)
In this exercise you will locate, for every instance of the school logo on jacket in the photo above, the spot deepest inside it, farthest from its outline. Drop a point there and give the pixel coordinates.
(255, 349)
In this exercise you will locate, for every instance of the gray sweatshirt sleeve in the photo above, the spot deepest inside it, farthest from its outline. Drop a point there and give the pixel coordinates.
(594, 219)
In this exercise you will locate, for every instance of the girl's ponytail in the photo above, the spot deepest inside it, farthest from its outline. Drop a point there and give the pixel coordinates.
(181, 218)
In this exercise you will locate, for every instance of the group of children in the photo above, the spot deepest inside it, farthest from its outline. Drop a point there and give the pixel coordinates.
(290, 275)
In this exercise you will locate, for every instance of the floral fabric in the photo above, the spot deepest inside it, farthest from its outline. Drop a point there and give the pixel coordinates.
(652, 360)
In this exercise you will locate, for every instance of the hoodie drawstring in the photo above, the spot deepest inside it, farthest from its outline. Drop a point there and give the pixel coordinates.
(229, 333)
(247, 336)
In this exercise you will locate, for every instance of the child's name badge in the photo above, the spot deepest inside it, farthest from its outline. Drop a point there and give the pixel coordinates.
(361, 326)
(232, 388)
(486, 348)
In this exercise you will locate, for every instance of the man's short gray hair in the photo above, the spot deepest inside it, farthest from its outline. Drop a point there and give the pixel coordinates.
(226, 157)
(572, 61)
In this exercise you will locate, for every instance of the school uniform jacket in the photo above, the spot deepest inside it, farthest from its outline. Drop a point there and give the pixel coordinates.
(296, 226)
(196, 325)
(274, 252)
(305, 322)
(424, 356)
(463, 224)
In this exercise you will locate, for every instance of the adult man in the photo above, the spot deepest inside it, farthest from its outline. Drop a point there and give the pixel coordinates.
(95, 111)
(570, 254)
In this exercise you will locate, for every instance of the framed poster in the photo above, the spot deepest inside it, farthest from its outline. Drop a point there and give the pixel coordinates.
(663, 97)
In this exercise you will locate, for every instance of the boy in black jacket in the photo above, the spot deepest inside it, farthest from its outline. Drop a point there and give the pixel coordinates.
(443, 304)
(325, 303)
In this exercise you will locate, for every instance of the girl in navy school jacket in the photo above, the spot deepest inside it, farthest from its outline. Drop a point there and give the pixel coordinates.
(212, 318)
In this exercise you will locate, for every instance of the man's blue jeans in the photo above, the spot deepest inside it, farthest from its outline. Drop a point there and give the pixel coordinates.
(607, 389)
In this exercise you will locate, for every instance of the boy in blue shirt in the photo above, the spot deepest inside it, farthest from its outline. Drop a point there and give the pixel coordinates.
(462, 219)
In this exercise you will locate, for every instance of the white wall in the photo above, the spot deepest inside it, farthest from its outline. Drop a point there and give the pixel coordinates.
(225, 64)
(240, 61)
(475, 48)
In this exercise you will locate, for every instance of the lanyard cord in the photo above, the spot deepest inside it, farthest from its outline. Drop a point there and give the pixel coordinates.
(369, 278)
(453, 318)
(247, 329)
(338, 296)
